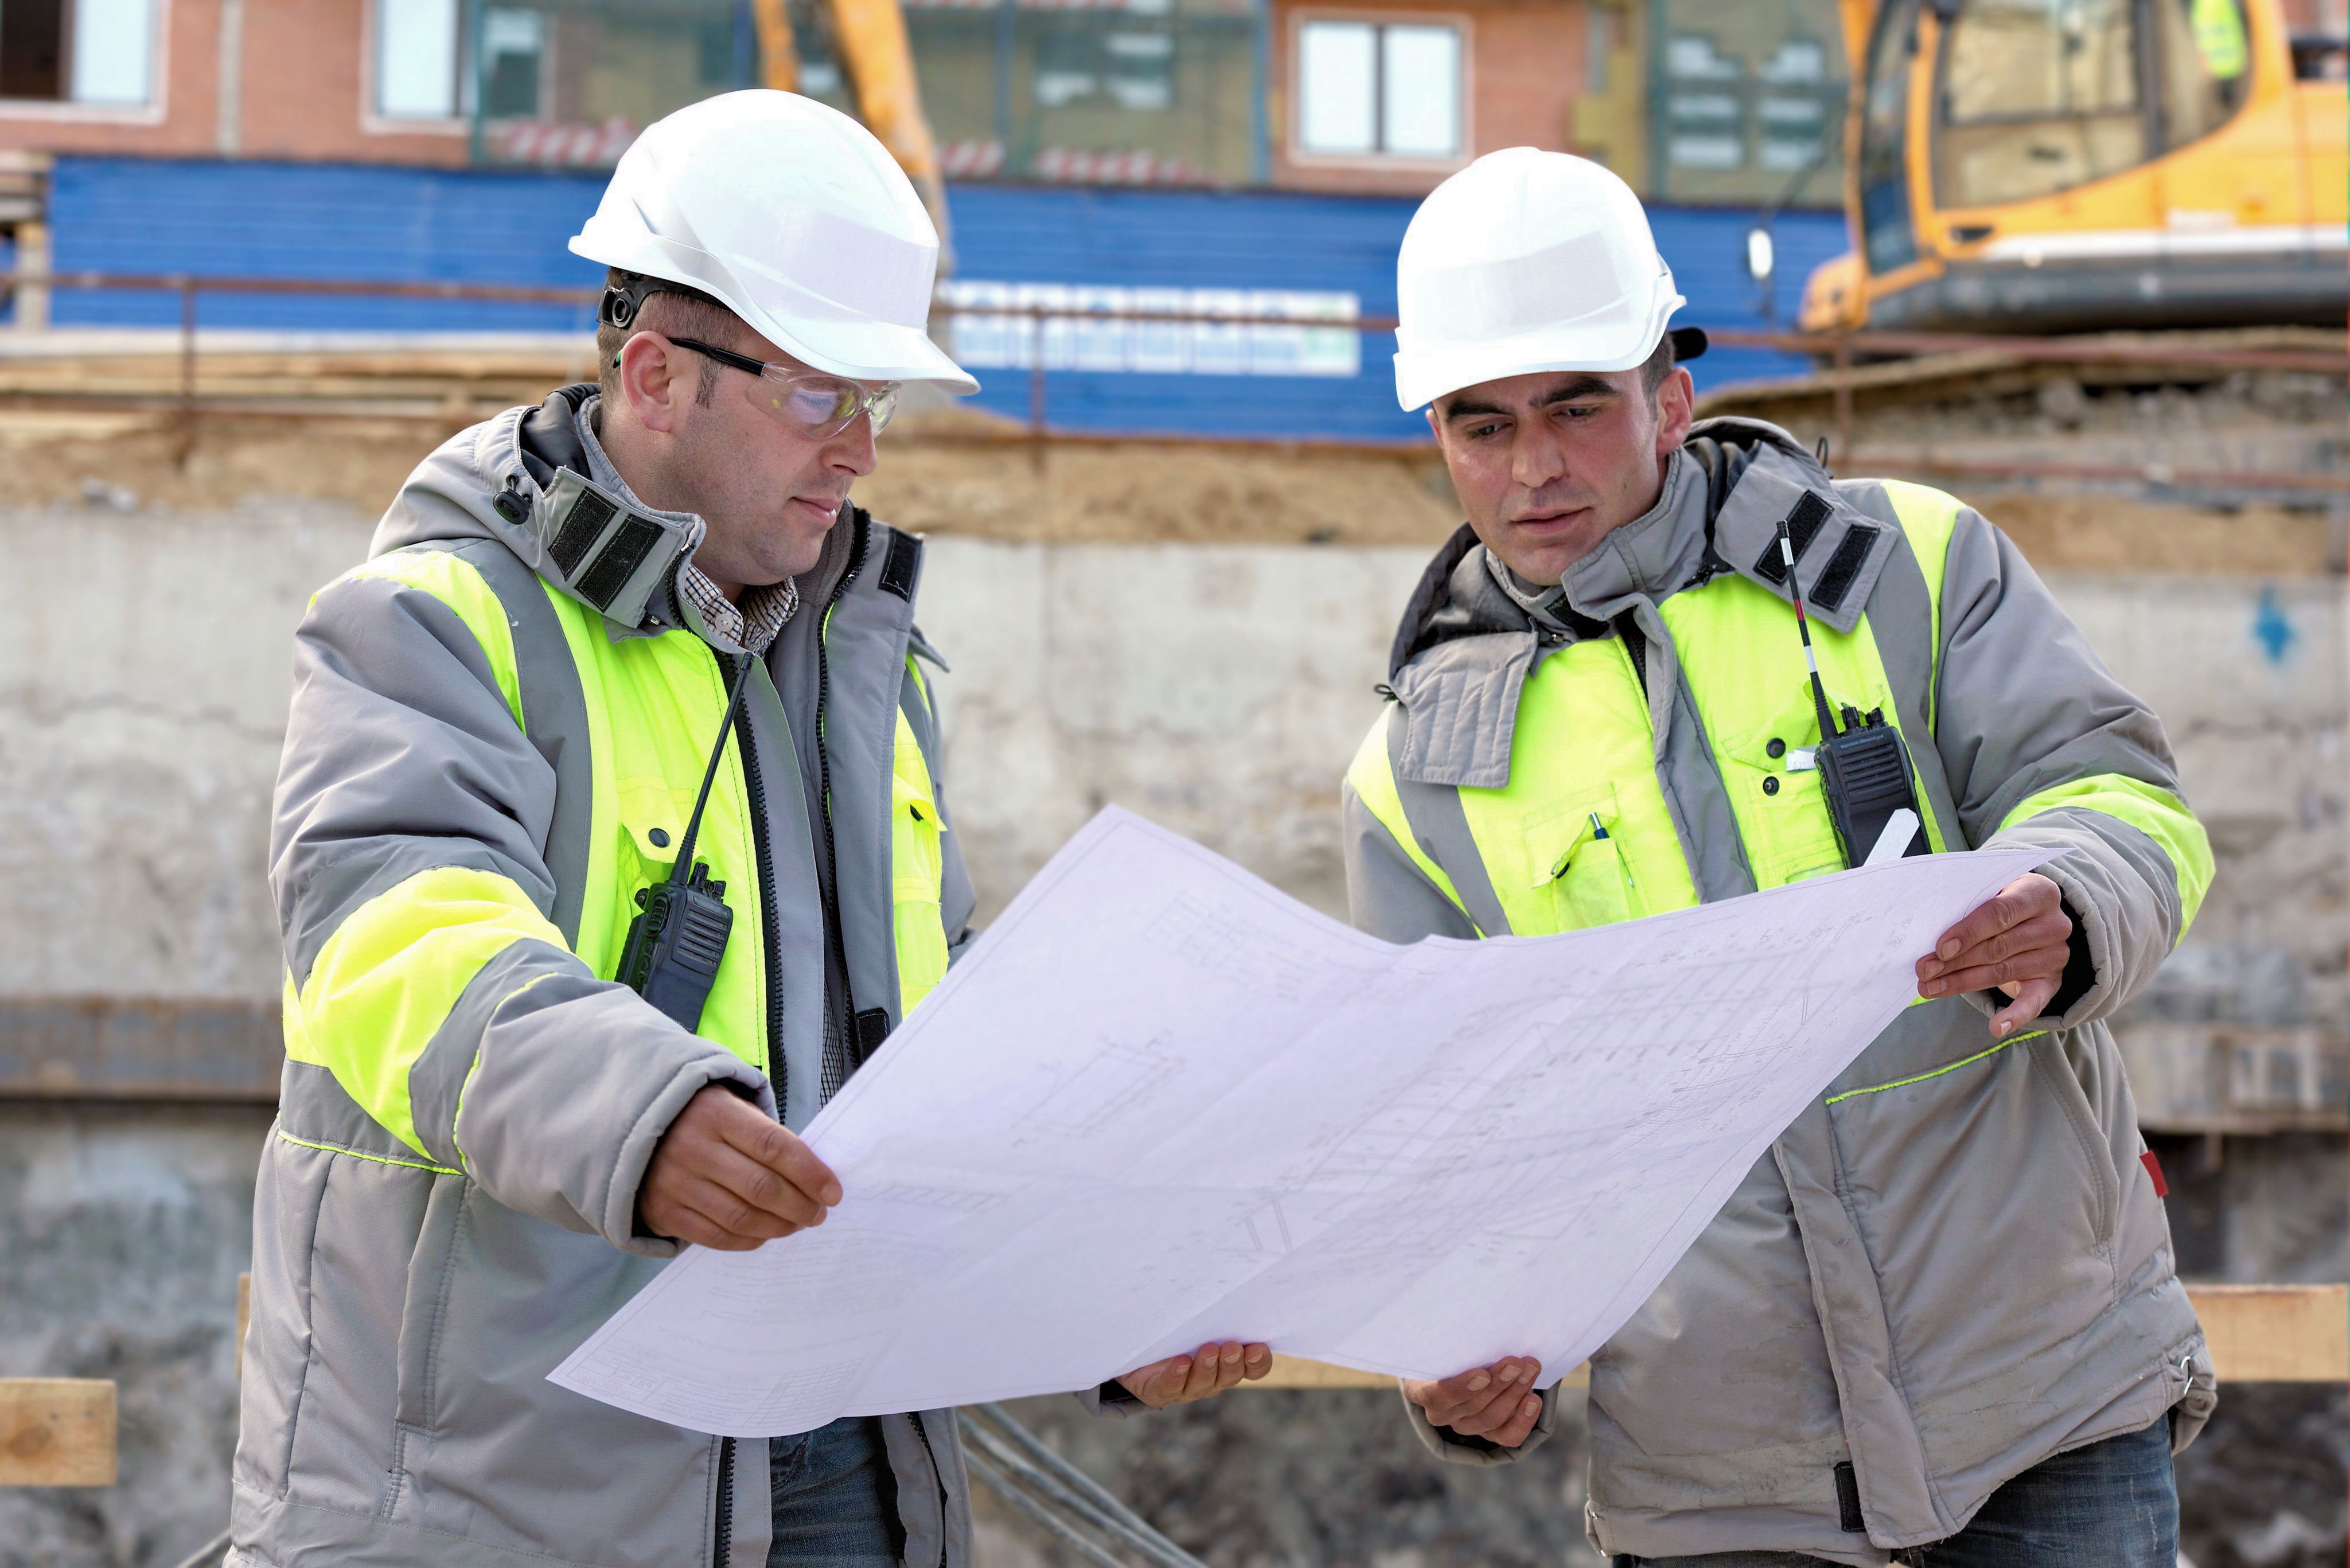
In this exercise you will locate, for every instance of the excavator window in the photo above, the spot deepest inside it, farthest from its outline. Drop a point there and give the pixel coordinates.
(2039, 96)
(2205, 67)
(2036, 97)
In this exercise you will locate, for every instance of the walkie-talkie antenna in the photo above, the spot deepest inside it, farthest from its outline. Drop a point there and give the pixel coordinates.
(1828, 730)
(679, 871)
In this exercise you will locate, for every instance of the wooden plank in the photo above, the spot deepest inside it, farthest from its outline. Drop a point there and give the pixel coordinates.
(2259, 1334)
(2276, 1334)
(57, 1431)
(1293, 1372)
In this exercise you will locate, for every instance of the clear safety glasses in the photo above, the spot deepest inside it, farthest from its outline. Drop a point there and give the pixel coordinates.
(817, 405)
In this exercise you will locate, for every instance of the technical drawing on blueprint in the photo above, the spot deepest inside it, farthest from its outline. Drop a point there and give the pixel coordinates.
(1161, 1102)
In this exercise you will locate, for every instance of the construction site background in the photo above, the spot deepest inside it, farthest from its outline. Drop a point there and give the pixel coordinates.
(1192, 630)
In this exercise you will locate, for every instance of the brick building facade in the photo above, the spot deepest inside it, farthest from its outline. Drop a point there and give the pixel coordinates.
(1366, 96)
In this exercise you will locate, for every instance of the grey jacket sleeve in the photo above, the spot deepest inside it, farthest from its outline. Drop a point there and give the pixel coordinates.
(1110, 1399)
(2028, 716)
(1387, 895)
(463, 1024)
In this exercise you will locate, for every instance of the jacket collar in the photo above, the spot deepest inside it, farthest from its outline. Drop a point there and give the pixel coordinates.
(1465, 647)
(527, 479)
(523, 479)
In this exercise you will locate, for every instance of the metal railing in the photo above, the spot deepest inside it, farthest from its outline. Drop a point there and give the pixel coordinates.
(1842, 357)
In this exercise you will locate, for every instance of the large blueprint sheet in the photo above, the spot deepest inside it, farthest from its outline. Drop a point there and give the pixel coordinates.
(1161, 1103)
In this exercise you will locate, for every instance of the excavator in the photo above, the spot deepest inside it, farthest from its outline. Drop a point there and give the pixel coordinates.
(878, 61)
(2062, 166)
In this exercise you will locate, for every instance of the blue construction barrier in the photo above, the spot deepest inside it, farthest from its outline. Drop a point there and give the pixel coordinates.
(254, 219)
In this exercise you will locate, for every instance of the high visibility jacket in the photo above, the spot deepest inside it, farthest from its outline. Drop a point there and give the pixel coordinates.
(499, 725)
(1954, 1264)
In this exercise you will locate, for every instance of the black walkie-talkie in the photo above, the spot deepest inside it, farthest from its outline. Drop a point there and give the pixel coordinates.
(674, 947)
(1864, 767)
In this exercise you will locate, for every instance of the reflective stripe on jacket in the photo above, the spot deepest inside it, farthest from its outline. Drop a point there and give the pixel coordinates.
(497, 733)
(1955, 1265)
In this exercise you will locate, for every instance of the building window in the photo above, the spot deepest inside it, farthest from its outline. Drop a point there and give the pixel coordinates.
(1795, 106)
(514, 49)
(97, 52)
(416, 58)
(1386, 89)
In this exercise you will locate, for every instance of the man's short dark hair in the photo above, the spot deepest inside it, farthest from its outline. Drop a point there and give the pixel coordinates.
(672, 315)
(1658, 366)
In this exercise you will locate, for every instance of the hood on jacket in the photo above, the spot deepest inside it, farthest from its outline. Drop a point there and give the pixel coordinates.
(1726, 489)
(522, 478)
(1466, 646)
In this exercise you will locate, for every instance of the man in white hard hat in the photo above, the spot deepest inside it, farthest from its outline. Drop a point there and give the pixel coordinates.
(546, 1016)
(1939, 1324)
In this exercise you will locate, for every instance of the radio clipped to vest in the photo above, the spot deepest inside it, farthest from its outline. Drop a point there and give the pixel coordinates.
(674, 947)
(1864, 767)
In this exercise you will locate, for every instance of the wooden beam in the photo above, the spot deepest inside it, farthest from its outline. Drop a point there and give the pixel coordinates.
(57, 1431)
(2276, 1334)
(99, 1047)
(2258, 1333)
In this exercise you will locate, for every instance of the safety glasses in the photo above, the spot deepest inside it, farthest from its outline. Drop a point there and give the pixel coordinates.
(817, 405)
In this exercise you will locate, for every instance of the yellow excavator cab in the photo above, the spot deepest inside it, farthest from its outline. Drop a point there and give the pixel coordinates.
(2084, 165)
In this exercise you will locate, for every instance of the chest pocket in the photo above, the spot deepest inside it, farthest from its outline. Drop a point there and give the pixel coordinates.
(1775, 790)
(917, 871)
(1574, 857)
(652, 821)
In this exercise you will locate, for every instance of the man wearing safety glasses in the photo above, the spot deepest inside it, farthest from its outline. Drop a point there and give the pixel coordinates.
(608, 842)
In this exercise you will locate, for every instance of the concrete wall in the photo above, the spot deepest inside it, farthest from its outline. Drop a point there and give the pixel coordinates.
(1220, 690)
(143, 679)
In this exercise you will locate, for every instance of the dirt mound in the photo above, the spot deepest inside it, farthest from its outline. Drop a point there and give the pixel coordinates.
(957, 471)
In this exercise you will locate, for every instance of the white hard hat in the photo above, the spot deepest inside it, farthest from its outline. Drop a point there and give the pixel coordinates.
(1528, 261)
(793, 216)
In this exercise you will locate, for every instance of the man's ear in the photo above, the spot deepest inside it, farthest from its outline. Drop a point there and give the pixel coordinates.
(1676, 410)
(653, 380)
(1435, 425)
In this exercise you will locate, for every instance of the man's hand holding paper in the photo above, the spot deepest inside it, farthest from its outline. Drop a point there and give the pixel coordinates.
(1496, 1403)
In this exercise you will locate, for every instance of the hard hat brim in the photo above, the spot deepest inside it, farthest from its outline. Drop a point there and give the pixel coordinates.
(1426, 374)
(858, 350)
(869, 351)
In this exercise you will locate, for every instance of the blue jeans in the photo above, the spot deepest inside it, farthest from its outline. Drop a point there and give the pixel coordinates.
(836, 1500)
(2113, 1504)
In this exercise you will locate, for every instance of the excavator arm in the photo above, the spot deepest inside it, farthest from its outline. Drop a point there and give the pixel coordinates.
(879, 63)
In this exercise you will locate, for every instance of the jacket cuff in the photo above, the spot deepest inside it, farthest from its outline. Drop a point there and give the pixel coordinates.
(2077, 985)
(2126, 924)
(618, 1218)
(1110, 1398)
(1455, 1450)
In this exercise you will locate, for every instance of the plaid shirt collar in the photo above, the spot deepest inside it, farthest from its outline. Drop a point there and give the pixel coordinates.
(755, 623)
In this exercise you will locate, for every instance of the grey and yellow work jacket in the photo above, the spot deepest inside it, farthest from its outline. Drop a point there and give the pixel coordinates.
(1954, 1265)
(499, 724)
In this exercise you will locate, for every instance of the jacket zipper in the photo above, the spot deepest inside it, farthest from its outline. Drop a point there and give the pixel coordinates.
(757, 805)
(839, 943)
(725, 1503)
(939, 1479)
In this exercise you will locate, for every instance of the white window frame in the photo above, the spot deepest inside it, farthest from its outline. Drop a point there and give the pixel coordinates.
(1462, 25)
(150, 113)
(374, 123)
